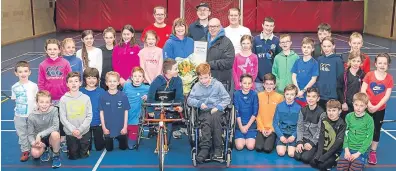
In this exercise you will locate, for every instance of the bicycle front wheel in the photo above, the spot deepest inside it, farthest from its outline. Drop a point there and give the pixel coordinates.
(161, 152)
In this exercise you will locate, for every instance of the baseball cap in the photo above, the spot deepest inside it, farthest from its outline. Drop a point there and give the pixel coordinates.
(203, 4)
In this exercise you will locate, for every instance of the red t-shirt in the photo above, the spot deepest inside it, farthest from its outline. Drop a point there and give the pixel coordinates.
(162, 33)
(377, 88)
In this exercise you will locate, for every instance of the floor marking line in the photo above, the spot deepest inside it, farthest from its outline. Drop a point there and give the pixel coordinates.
(4, 100)
(8, 130)
(363, 41)
(386, 132)
(7, 120)
(99, 160)
(15, 57)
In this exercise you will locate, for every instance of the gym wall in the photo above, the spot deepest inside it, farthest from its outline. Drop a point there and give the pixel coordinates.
(22, 20)
(379, 18)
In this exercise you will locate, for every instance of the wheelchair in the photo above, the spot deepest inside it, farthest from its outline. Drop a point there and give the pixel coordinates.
(228, 127)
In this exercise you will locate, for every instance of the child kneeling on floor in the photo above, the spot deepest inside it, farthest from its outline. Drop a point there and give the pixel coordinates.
(308, 127)
(76, 116)
(331, 137)
(43, 130)
(285, 122)
(358, 135)
(246, 107)
(114, 106)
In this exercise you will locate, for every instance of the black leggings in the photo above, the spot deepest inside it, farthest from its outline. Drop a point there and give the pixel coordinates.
(122, 141)
(378, 116)
(78, 148)
(265, 144)
(96, 135)
(329, 163)
(306, 155)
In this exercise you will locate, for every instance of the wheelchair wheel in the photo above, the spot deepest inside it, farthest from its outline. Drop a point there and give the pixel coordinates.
(161, 152)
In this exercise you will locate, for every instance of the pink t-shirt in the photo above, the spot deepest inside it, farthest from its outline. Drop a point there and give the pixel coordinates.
(151, 61)
(242, 65)
(125, 58)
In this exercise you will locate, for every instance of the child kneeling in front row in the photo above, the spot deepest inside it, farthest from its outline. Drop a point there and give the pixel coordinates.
(76, 116)
(246, 105)
(114, 106)
(308, 127)
(332, 131)
(285, 122)
(43, 130)
(358, 135)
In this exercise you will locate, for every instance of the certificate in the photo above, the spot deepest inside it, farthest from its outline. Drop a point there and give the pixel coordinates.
(201, 49)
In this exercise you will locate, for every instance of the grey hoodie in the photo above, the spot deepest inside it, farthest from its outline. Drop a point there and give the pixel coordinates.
(213, 96)
(75, 113)
(42, 124)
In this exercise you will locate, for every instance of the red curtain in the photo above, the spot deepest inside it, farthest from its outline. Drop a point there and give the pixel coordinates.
(289, 16)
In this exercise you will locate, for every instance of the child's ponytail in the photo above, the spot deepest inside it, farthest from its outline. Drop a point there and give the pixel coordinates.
(84, 52)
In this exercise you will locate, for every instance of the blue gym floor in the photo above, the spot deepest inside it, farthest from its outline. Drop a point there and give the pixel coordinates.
(178, 158)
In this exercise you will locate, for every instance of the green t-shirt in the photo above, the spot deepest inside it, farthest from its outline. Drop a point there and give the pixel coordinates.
(359, 132)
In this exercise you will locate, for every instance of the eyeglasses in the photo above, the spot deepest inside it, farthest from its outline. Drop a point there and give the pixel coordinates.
(212, 27)
(284, 42)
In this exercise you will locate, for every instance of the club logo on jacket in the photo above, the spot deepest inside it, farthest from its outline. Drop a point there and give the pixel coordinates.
(119, 104)
(325, 67)
(54, 72)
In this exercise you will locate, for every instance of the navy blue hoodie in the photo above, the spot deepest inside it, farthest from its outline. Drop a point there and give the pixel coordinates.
(174, 47)
(330, 68)
(160, 83)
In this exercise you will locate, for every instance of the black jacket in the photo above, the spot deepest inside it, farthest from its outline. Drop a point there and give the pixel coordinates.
(331, 139)
(348, 85)
(220, 57)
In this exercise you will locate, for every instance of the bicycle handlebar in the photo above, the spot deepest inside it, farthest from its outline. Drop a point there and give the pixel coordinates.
(162, 104)
(163, 120)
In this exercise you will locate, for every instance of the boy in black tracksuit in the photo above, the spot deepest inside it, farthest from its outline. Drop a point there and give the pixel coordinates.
(350, 83)
(308, 127)
(331, 137)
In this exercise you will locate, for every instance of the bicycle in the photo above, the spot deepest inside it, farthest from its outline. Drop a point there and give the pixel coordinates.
(163, 107)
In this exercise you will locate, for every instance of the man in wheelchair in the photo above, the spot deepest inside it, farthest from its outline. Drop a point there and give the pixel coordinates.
(168, 81)
(210, 96)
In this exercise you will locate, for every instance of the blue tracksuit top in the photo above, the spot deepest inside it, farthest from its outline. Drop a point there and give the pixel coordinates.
(286, 118)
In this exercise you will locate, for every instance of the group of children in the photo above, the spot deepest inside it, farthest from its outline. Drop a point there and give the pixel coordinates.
(317, 89)
(304, 121)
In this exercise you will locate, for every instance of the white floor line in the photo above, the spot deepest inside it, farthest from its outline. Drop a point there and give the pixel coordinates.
(7, 120)
(364, 42)
(389, 130)
(386, 132)
(15, 57)
(27, 61)
(8, 130)
(99, 160)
